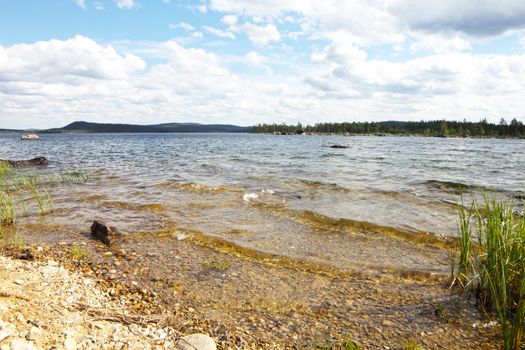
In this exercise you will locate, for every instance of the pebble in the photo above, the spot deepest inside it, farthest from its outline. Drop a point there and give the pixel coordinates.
(161, 334)
(19, 282)
(388, 323)
(6, 330)
(33, 333)
(70, 344)
(197, 342)
(21, 344)
(3, 308)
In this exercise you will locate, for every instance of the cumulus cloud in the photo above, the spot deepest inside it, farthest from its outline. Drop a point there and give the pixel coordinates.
(73, 59)
(261, 35)
(476, 17)
(254, 59)
(81, 3)
(389, 21)
(50, 83)
(439, 43)
(219, 32)
(183, 25)
(126, 4)
(230, 20)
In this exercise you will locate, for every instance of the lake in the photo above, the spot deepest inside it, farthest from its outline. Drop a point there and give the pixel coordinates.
(285, 195)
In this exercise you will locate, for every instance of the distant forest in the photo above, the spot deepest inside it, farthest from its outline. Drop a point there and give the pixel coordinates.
(437, 128)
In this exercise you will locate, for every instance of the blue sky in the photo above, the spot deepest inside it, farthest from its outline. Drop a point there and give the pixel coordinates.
(251, 61)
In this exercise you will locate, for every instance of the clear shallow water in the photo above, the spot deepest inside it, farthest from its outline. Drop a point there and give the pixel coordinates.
(278, 194)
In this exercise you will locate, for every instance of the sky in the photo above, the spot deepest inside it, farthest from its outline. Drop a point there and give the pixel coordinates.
(246, 62)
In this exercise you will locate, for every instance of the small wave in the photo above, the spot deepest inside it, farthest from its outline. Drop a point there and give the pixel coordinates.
(451, 186)
(192, 186)
(248, 197)
(323, 185)
(338, 224)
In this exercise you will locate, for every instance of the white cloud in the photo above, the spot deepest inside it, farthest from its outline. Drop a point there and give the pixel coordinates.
(254, 59)
(202, 8)
(439, 43)
(51, 83)
(230, 20)
(261, 35)
(81, 3)
(197, 35)
(126, 4)
(389, 21)
(219, 32)
(99, 6)
(71, 60)
(183, 25)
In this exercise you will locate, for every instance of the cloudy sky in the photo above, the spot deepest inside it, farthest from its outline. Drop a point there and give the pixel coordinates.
(251, 61)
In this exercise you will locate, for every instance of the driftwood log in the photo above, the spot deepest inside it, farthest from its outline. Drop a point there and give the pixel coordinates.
(23, 163)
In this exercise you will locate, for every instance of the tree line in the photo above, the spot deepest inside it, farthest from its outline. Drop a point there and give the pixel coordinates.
(437, 128)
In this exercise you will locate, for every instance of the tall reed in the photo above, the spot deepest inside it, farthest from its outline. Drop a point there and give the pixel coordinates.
(14, 186)
(495, 265)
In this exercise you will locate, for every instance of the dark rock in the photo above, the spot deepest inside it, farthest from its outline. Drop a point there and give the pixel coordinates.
(30, 162)
(338, 146)
(104, 233)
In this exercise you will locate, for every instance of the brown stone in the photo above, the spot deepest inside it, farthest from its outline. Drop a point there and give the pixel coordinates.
(104, 233)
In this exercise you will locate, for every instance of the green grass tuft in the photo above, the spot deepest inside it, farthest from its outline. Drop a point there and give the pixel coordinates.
(411, 344)
(217, 265)
(495, 265)
(78, 252)
(14, 187)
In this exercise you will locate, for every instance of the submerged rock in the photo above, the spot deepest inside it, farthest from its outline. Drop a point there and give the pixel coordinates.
(30, 162)
(338, 146)
(104, 233)
(197, 342)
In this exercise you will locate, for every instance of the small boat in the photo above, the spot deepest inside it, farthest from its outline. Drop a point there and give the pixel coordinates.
(30, 137)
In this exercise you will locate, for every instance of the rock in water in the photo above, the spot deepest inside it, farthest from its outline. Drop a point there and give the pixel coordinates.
(338, 146)
(103, 232)
(197, 342)
(31, 162)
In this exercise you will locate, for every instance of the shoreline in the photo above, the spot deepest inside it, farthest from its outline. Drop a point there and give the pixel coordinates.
(244, 303)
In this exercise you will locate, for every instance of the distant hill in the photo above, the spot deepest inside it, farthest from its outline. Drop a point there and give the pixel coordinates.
(87, 127)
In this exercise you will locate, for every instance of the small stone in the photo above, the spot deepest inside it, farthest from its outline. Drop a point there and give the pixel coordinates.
(6, 330)
(388, 323)
(197, 342)
(181, 236)
(161, 334)
(19, 282)
(3, 308)
(21, 344)
(70, 344)
(33, 333)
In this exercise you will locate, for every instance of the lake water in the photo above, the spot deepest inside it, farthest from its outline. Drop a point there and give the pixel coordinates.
(286, 195)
